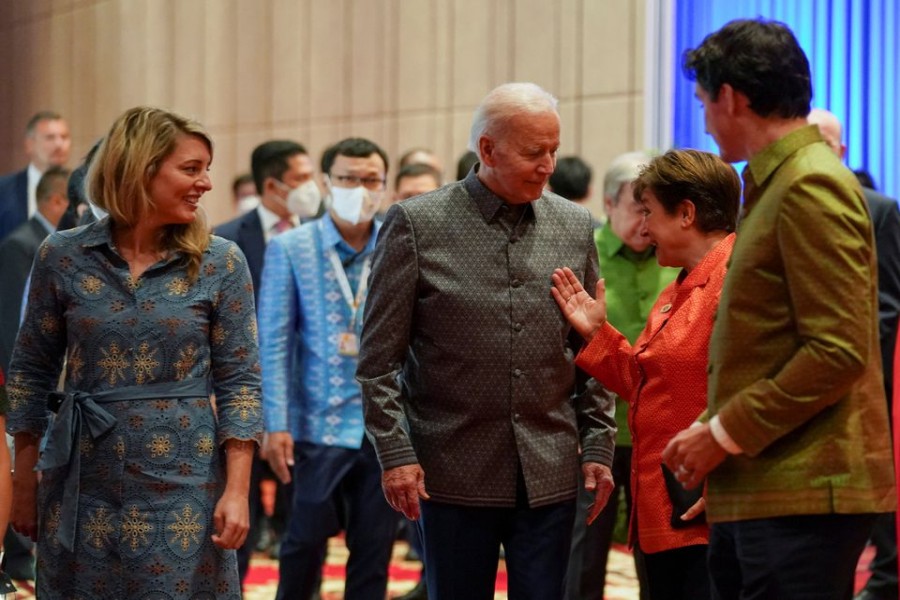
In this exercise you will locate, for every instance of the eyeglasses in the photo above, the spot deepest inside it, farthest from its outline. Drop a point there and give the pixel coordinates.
(370, 183)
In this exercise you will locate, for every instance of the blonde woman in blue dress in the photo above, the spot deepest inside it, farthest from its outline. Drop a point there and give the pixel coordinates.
(144, 482)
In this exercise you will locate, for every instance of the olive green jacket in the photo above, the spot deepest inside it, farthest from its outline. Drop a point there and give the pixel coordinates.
(795, 368)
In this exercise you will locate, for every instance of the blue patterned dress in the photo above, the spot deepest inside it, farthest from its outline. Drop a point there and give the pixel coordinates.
(141, 522)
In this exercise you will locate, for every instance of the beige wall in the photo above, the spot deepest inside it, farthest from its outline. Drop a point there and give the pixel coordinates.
(401, 72)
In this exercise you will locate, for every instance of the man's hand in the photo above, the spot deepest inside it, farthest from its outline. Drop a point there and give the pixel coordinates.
(403, 486)
(278, 450)
(692, 454)
(598, 479)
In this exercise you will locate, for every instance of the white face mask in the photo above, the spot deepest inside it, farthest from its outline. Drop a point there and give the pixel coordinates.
(247, 203)
(303, 200)
(354, 205)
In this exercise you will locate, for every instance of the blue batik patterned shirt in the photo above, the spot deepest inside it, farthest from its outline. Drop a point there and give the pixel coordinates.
(308, 386)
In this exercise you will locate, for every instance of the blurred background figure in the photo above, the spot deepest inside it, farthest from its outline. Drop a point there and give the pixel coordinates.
(421, 156)
(17, 252)
(883, 581)
(244, 193)
(47, 144)
(282, 174)
(465, 164)
(412, 180)
(572, 180)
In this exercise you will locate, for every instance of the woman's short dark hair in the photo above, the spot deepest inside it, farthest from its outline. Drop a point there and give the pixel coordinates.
(701, 177)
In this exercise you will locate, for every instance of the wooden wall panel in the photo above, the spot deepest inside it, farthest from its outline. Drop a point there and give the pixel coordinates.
(405, 73)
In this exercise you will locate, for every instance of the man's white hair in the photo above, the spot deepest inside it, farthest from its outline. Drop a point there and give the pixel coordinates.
(623, 169)
(503, 102)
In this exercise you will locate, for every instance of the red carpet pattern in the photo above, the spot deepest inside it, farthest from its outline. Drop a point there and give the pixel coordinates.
(262, 580)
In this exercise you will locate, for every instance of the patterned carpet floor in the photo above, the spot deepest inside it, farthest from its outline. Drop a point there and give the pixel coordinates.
(263, 577)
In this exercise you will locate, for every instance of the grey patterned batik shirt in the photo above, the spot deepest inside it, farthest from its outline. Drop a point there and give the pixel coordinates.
(466, 362)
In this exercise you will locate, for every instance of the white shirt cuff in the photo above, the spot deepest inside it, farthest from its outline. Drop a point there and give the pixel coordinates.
(721, 436)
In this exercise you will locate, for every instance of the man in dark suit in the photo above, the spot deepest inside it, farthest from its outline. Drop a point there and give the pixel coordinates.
(885, 214)
(283, 174)
(279, 167)
(47, 144)
(17, 252)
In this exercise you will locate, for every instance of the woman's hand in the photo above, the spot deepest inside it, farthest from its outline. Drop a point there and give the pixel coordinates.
(23, 517)
(586, 314)
(231, 520)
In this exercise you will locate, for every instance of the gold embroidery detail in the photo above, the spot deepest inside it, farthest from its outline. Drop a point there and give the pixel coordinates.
(91, 284)
(218, 335)
(186, 528)
(245, 404)
(16, 392)
(161, 445)
(119, 448)
(144, 363)
(99, 527)
(186, 361)
(52, 523)
(132, 283)
(49, 324)
(178, 286)
(75, 363)
(113, 363)
(135, 528)
(205, 445)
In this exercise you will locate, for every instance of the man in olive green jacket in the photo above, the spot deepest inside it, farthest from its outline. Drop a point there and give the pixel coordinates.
(795, 444)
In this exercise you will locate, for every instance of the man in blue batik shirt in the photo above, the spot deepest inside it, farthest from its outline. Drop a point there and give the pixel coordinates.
(314, 286)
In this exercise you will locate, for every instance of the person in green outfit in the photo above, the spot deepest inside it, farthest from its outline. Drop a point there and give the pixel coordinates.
(633, 281)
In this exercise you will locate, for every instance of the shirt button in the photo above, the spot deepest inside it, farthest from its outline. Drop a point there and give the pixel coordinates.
(515, 283)
(516, 417)
(517, 326)
(517, 372)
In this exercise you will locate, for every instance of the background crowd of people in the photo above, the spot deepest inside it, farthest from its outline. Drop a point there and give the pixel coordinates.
(482, 362)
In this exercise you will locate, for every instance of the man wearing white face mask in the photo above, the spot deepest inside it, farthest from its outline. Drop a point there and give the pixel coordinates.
(282, 172)
(314, 287)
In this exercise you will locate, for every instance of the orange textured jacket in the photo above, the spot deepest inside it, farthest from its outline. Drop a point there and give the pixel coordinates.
(663, 377)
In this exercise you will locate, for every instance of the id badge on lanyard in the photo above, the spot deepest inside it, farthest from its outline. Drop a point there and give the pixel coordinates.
(348, 341)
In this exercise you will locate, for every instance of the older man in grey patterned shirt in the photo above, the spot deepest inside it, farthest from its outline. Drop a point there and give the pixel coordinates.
(471, 397)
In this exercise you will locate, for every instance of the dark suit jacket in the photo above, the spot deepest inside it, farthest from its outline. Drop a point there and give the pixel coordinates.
(246, 231)
(16, 256)
(886, 223)
(13, 201)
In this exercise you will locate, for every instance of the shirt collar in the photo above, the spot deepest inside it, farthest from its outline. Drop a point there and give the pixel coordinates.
(331, 237)
(707, 266)
(267, 218)
(99, 233)
(764, 163)
(610, 245)
(488, 203)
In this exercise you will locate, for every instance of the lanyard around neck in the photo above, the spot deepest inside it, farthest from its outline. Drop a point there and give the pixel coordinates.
(353, 302)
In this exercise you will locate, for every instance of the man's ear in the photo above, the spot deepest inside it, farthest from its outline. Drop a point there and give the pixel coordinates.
(735, 102)
(486, 150)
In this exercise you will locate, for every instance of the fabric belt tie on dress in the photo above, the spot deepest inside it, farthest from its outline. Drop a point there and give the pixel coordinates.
(78, 411)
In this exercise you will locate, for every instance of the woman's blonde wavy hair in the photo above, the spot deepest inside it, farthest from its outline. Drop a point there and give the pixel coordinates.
(119, 177)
